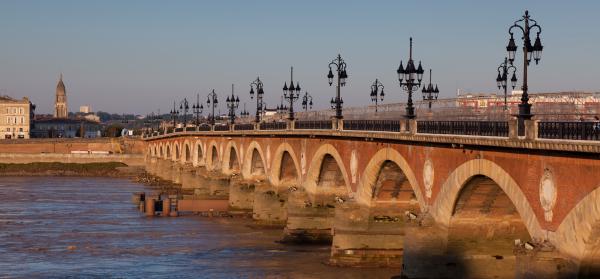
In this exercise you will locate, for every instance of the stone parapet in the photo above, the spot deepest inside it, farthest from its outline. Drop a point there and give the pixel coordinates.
(458, 141)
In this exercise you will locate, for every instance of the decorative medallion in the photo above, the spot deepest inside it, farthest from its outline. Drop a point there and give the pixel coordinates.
(303, 162)
(428, 177)
(353, 165)
(547, 194)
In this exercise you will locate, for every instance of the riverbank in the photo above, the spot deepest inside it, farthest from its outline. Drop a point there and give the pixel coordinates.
(106, 169)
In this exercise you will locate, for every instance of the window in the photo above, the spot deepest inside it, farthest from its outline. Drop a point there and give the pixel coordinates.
(20, 129)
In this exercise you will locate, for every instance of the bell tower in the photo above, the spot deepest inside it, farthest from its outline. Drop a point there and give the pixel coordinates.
(60, 104)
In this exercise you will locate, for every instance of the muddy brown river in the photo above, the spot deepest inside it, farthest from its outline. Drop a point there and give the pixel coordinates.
(68, 227)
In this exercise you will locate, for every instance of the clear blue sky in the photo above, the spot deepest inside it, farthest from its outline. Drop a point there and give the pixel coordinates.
(139, 56)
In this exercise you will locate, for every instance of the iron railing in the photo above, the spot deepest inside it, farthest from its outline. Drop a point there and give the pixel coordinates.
(204, 127)
(243, 127)
(273, 126)
(473, 128)
(569, 130)
(178, 130)
(190, 129)
(373, 125)
(313, 125)
(221, 127)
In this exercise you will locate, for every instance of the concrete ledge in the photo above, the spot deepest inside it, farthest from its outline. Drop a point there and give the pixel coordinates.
(22, 158)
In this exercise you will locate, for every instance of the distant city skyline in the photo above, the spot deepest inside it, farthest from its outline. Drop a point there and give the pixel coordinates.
(140, 56)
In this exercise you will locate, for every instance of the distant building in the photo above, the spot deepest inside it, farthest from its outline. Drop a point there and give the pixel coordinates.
(15, 118)
(85, 109)
(60, 103)
(65, 128)
(92, 117)
(559, 105)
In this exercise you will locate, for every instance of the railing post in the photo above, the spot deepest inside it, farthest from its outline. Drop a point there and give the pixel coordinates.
(513, 128)
(231, 127)
(531, 129)
(412, 126)
(403, 124)
(291, 124)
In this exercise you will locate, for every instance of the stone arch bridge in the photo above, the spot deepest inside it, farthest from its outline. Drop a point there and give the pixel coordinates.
(434, 204)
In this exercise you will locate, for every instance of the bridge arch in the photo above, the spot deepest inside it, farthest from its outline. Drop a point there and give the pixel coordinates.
(168, 154)
(186, 157)
(199, 152)
(154, 150)
(177, 153)
(213, 161)
(285, 168)
(254, 165)
(387, 157)
(443, 208)
(324, 162)
(578, 235)
(231, 158)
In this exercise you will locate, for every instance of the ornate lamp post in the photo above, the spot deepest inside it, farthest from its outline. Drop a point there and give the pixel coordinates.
(184, 108)
(340, 65)
(529, 51)
(502, 78)
(174, 112)
(197, 109)
(429, 92)
(307, 102)
(291, 93)
(211, 100)
(410, 79)
(377, 92)
(259, 97)
(232, 104)
(244, 113)
(281, 108)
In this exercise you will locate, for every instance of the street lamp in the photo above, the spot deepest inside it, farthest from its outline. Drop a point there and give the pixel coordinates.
(502, 78)
(211, 100)
(197, 109)
(410, 79)
(174, 113)
(291, 93)
(307, 102)
(340, 65)
(232, 104)
(259, 97)
(377, 92)
(429, 92)
(184, 108)
(529, 51)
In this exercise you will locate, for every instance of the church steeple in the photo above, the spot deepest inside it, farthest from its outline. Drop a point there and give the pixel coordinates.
(60, 104)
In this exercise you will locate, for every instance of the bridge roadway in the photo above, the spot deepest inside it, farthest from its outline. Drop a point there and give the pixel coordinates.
(436, 205)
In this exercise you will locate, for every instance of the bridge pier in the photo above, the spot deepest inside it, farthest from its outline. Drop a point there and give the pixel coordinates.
(189, 179)
(270, 204)
(241, 195)
(367, 236)
(164, 169)
(308, 221)
(177, 172)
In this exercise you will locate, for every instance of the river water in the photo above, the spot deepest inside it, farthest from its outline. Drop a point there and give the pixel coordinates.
(57, 227)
